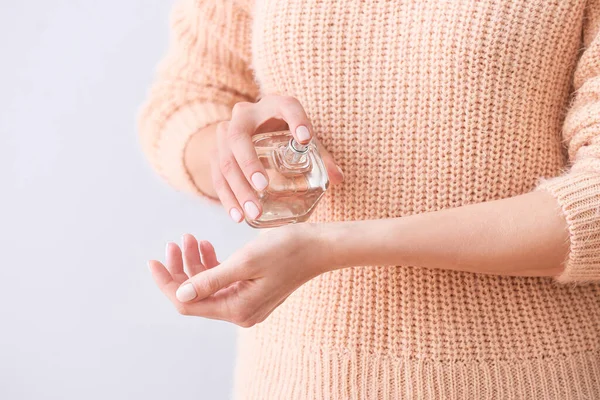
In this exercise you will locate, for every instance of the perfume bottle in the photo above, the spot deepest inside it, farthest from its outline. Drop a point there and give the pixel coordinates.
(297, 179)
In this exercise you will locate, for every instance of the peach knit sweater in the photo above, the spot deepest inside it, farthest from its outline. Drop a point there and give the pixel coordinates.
(426, 104)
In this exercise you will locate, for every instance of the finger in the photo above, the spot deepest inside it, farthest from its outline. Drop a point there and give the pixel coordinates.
(242, 126)
(191, 255)
(272, 124)
(217, 306)
(336, 176)
(209, 256)
(225, 194)
(209, 282)
(243, 192)
(162, 277)
(175, 262)
(290, 110)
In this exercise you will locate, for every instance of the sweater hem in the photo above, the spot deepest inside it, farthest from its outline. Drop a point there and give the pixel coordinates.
(276, 370)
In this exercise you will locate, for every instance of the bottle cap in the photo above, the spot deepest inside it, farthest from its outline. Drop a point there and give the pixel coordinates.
(297, 147)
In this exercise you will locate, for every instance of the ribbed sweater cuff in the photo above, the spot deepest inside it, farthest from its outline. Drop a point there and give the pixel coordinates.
(176, 132)
(578, 194)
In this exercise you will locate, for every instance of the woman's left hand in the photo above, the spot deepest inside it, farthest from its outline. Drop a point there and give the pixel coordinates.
(250, 284)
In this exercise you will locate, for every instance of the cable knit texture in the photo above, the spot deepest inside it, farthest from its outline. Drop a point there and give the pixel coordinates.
(426, 105)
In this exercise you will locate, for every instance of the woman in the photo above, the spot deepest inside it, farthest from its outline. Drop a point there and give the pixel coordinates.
(460, 256)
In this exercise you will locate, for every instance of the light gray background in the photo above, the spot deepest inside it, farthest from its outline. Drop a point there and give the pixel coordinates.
(81, 212)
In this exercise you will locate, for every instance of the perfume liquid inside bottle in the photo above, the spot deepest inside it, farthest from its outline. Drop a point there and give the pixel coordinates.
(297, 179)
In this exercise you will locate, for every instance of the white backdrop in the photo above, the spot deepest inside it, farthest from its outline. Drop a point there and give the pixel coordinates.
(81, 212)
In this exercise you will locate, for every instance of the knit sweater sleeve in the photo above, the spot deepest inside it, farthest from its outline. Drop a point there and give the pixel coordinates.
(578, 190)
(205, 72)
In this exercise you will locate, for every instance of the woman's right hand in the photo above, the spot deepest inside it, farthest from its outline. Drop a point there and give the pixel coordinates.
(235, 168)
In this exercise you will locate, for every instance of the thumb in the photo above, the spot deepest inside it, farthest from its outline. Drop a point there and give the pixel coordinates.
(208, 282)
(335, 173)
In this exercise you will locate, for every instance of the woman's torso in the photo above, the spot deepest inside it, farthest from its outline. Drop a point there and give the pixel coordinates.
(428, 105)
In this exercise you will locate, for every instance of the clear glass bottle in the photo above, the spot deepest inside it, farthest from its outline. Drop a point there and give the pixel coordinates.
(297, 179)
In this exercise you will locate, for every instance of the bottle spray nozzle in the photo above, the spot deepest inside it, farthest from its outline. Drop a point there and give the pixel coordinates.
(298, 147)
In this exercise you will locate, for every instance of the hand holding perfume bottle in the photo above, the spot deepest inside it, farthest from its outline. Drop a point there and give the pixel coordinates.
(267, 167)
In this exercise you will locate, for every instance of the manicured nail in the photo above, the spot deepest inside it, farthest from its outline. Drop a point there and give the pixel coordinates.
(259, 181)
(235, 215)
(186, 293)
(251, 209)
(302, 133)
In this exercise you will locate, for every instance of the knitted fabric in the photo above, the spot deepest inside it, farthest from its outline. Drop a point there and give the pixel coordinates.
(426, 105)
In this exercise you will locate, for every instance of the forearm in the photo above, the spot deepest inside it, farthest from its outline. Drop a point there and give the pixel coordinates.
(197, 159)
(520, 236)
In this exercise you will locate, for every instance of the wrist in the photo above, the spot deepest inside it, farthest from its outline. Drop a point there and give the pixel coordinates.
(337, 245)
(311, 242)
(365, 243)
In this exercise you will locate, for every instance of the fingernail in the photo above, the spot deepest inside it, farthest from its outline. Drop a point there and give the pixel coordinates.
(302, 133)
(259, 181)
(235, 215)
(183, 241)
(167, 247)
(186, 293)
(251, 209)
